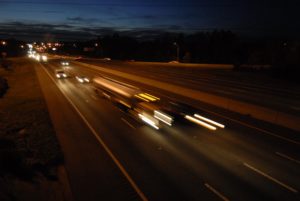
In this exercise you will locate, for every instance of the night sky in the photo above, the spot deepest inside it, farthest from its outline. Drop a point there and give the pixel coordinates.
(77, 19)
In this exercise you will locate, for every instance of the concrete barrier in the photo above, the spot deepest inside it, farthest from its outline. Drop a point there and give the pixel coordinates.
(259, 112)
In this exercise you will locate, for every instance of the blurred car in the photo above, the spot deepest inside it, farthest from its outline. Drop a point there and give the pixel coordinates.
(44, 58)
(107, 59)
(37, 57)
(82, 79)
(64, 63)
(60, 73)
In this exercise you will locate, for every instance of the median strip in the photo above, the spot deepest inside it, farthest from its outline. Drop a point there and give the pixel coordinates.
(129, 124)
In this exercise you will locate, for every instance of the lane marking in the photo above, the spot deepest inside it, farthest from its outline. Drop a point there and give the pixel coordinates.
(271, 178)
(108, 151)
(94, 97)
(129, 124)
(216, 192)
(288, 157)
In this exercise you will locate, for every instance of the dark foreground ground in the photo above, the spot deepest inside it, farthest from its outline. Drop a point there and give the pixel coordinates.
(29, 151)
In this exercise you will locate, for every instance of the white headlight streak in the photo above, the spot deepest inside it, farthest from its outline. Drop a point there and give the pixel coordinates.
(209, 121)
(202, 123)
(163, 117)
(148, 121)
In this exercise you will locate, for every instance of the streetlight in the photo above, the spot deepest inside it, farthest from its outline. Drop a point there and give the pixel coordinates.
(177, 50)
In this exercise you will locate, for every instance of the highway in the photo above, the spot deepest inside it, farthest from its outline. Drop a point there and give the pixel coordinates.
(247, 160)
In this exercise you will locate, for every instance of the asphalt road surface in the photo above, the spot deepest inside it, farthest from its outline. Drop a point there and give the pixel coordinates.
(248, 160)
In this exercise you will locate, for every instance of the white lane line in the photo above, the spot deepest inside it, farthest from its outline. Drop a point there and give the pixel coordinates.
(108, 151)
(94, 97)
(271, 178)
(288, 157)
(216, 192)
(129, 124)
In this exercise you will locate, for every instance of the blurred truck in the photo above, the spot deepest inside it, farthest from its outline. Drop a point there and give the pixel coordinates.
(133, 100)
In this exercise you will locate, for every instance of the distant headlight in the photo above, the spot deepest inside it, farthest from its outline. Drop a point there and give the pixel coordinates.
(44, 58)
(57, 75)
(64, 75)
(87, 80)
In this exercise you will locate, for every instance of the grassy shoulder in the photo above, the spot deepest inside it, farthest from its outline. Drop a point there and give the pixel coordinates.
(29, 150)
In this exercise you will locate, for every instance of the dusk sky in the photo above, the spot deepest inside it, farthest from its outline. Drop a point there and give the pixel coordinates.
(44, 19)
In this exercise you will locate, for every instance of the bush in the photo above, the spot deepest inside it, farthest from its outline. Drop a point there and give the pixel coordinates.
(3, 86)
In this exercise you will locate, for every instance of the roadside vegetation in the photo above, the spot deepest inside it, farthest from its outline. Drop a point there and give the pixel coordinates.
(29, 150)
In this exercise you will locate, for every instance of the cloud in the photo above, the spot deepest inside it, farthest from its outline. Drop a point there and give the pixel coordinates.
(82, 20)
(44, 31)
(41, 31)
(136, 17)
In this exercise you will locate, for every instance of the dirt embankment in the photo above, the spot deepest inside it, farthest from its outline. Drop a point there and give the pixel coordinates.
(29, 150)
